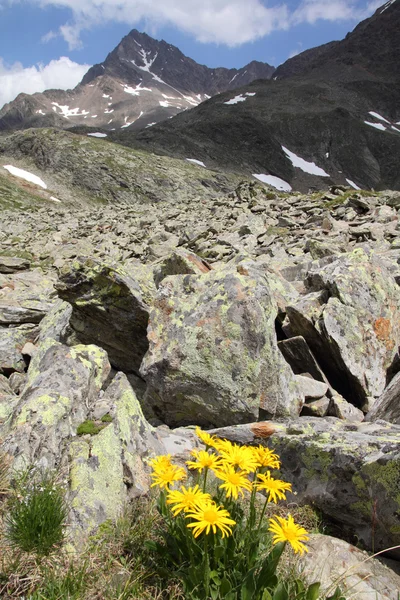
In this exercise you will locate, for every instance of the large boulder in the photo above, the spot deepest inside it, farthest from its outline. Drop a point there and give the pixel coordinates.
(110, 308)
(387, 406)
(350, 472)
(107, 469)
(213, 357)
(26, 297)
(62, 384)
(334, 563)
(351, 322)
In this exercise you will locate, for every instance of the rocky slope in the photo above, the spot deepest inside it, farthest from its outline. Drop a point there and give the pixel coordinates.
(336, 107)
(217, 308)
(142, 82)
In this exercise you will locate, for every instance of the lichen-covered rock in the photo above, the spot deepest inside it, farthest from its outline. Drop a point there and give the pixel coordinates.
(351, 472)
(108, 469)
(26, 297)
(110, 308)
(340, 408)
(55, 325)
(387, 406)
(7, 399)
(354, 332)
(12, 341)
(334, 562)
(62, 384)
(12, 264)
(213, 356)
(179, 262)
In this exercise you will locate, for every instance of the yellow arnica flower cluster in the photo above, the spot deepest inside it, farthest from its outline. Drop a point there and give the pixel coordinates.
(241, 469)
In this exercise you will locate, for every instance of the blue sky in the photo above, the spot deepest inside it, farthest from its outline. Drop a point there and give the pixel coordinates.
(36, 34)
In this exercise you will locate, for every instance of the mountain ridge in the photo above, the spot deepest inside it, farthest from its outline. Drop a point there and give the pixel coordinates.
(141, 82)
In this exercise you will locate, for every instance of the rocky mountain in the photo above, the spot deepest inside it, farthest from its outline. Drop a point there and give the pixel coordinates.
(142, 82)
(329, 115)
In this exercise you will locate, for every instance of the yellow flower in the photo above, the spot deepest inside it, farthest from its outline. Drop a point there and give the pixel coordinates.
(241, 457)
(266, 458)
(209, 516)
(164, 477)
(163, 461)
(206, 438)
(275, 487)
(204, 460)
(286, 530)
(234, 481)
(186, 499)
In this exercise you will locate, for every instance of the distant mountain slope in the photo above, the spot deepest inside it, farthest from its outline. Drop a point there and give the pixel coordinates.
(337, 106)
(141, 82)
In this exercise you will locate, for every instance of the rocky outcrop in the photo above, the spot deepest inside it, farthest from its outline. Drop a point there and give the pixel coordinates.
(107, 470)
(387, 406)
(335, 563)
(213, 356)
(351, 472)
(110, 308)
(351, 322)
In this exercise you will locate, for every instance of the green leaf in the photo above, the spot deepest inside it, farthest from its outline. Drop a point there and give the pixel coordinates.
(280, 593)
(225, 587)
(248, 588)
(313, 591)
(266, 595)
(337, 595)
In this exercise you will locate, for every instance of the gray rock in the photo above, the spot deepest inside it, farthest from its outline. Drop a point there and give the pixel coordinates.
(387, 406)
(12, 264)
(213, 355)
(310, 388)
(300, 358)
(340, 408)
(349, 471)
(108, 469)
(180, 262)
(26, 297)
(110, 308)
(355, 333)
(12, 342)
(334, 562)
(55, 325)
(62, 385)
(316, 408)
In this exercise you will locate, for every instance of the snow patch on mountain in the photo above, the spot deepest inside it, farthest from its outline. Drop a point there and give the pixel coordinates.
(376, 125)
(352, 184)
(25, 175)
(276, 182)
(196, 162)
(387, 5)
(304, 165)
(98, 134)
(135, 91)
(66, 111)
(378, 116)
(236, 99)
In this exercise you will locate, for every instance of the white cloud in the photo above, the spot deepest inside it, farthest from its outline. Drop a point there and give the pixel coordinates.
(310, 11)
(61, 74)
(229, 22)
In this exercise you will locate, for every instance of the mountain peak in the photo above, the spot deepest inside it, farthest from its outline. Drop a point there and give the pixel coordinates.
(141, 82)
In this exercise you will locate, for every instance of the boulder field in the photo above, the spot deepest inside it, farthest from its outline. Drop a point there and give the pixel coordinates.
(268, 318)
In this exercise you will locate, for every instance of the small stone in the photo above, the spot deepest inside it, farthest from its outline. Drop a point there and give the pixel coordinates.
(340, 408)
(310, 388)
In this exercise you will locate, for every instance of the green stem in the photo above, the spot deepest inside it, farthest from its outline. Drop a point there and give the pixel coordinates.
(205, 479)
(263, 513)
